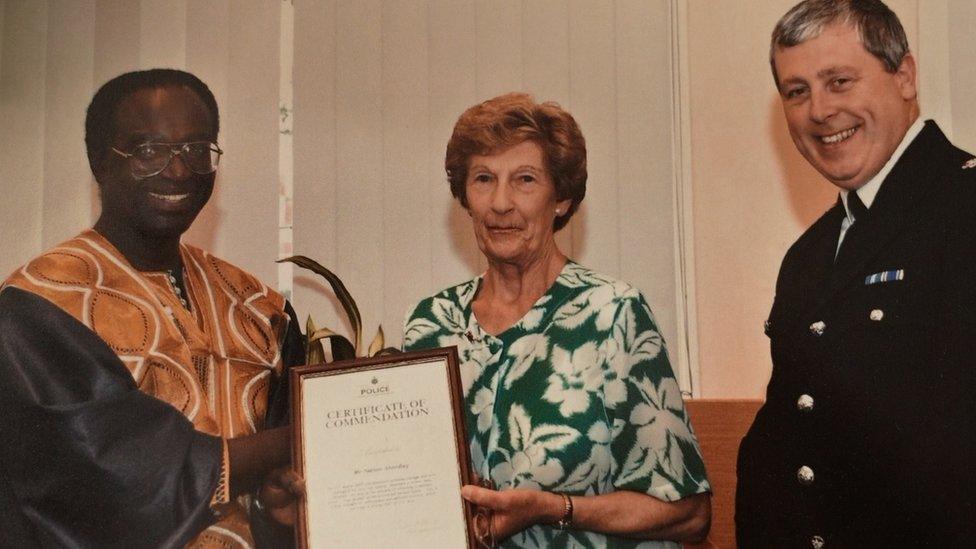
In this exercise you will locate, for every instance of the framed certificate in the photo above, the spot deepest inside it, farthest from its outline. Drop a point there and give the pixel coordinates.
(382, 447)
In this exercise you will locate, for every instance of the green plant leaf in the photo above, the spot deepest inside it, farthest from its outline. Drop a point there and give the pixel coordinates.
(377, 343)
(322, 333)
(342, 294)
(342, 349)
(385, 351)
(314, 352)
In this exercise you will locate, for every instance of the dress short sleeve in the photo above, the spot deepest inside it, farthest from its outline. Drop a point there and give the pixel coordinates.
(653, 446)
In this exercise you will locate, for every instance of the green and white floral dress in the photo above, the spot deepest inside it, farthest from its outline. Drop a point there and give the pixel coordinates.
(577, 397)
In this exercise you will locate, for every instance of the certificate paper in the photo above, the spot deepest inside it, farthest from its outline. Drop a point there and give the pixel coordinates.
(381, 445)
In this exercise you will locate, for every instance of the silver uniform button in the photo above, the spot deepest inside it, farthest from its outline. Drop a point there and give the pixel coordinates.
(804, 403)
(818, 327)
(816, 542)
(804, 475)
(876, 315)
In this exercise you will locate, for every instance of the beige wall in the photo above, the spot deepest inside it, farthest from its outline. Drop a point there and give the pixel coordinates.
(55, 54)
(961, 69)
(377, 86)
(370, 102)
(753, 193)
(22, 151)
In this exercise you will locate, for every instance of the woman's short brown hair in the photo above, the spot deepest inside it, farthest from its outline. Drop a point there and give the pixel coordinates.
(508, 120)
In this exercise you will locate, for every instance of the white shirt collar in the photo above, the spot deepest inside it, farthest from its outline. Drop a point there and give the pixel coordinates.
(869, 190)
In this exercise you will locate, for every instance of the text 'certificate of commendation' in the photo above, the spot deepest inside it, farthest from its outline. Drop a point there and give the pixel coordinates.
(382, 451)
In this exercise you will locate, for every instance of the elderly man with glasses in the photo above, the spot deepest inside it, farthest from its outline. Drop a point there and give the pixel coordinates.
(143, 378)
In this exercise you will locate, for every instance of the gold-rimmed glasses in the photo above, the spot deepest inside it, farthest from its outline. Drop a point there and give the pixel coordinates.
(150, 159)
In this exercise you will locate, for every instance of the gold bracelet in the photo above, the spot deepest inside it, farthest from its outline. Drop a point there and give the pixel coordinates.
(566, 522)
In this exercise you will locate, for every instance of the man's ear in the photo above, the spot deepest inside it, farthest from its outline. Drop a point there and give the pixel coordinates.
(905, 75)
(99, 167)
(98, 172)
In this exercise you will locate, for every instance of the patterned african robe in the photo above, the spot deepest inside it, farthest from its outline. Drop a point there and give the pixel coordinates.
(214, 362)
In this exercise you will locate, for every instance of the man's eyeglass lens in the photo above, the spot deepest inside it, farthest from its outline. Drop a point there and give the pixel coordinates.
(150, 159)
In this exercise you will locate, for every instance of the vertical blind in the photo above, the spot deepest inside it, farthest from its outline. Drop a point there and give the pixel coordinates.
(334, 119)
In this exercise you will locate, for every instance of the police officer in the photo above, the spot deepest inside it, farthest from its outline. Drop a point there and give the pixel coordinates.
(866, 436)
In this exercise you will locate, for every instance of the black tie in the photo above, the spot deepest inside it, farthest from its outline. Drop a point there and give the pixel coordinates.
(860, 213)
(858, 209)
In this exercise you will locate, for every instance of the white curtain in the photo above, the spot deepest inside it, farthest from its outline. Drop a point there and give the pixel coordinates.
(334, 119)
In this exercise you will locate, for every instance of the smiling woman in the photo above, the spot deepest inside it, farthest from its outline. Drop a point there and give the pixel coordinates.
(573, 412)
(513, 204)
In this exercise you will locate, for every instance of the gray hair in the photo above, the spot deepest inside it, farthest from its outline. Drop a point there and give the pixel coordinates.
(879, 28)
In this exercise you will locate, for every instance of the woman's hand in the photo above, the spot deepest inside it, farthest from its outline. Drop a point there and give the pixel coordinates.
(279, 495)
(515, 510)
(621, 513)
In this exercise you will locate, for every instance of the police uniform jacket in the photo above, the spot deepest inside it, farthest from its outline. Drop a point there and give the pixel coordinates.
(866, 435)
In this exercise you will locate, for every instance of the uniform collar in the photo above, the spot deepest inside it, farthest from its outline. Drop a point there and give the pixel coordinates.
(869, 190)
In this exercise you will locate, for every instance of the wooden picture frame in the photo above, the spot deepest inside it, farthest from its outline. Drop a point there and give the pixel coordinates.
(382, 446)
